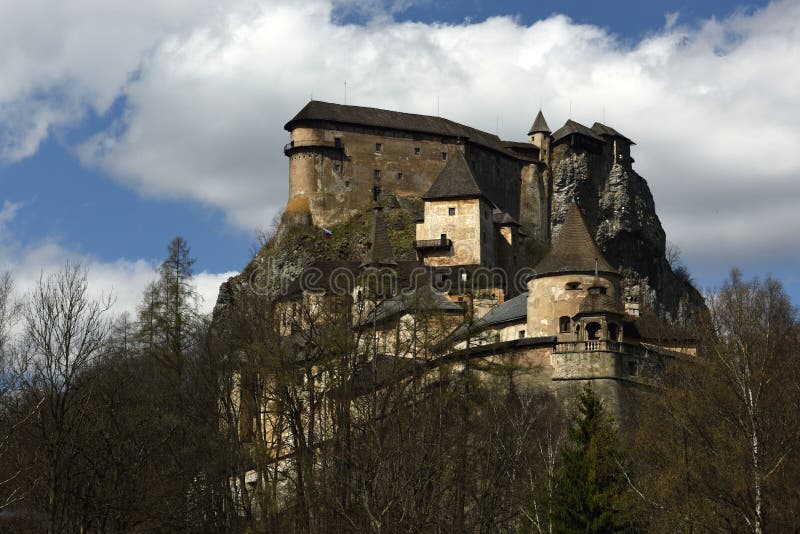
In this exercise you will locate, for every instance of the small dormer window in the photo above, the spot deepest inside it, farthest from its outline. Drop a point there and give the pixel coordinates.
(573, 285)
(451, 212)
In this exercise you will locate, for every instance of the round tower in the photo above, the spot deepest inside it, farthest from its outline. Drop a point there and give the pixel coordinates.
(573, 271)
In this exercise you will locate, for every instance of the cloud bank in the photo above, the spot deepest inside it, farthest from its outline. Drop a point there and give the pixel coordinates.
(713, 107)
(125, 280)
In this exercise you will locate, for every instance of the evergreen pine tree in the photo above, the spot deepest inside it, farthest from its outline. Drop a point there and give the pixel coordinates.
(589, 483)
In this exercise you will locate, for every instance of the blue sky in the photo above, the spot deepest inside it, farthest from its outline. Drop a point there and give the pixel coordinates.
(121, 128)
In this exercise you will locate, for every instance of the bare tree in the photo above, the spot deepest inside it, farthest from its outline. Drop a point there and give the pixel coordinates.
(720, 444)
(65, 333)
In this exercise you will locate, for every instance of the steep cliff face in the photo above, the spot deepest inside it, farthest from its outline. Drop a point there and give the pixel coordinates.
(620, 209)
(297, 243)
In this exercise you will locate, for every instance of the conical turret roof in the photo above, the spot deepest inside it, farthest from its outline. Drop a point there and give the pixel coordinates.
(455, 181)
(539, 124)
(380, 250)
(573, 249)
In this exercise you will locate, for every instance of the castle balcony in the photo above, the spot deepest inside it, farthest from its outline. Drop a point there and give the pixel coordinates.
(429, 245)
(597, 345)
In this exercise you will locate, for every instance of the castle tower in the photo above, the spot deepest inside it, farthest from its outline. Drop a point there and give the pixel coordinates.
(539, 136)
(458, 228)
(573, 271)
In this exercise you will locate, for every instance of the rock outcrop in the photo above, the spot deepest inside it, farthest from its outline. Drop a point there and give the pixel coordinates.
(620, 209)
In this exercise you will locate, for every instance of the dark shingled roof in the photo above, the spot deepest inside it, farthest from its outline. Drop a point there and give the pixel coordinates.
(598, 303)
(423, 298)
(652, 327)
(511, 311)
(395, 120)
(455, 181)
(380, 250)
(572, 127)
(573, 249)
(501, 218)
(539, 124)
(602, 129)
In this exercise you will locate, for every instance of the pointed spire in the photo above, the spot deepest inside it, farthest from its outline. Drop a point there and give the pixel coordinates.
(574, 249)
(539, 125)
(455, 181)
(380, 250)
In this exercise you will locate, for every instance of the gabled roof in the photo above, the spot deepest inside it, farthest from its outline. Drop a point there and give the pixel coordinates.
(501, 218)
(571, 127)
(510, 312)
(455, 181)
(608, 131)
(380, 250)
(422, 298)
(573, 249)
(316, 110)
(539, 124)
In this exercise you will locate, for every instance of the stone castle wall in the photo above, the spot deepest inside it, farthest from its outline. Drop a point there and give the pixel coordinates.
(337, 176)
(550, 299)
(336, 167)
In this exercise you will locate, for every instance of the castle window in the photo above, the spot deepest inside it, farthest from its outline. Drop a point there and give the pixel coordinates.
(378, 147)
(443, 237)
(451, 211)
(573, 285)
(613, 332)
(564, 324)
(347, 183)
(521, 334)
(376, 174)
(337, 166)
(399, 175)
(592, 331)
(444, 155)
(416, 151)
(337, 142)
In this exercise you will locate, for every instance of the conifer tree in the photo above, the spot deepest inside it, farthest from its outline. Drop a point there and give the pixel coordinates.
(590, 485)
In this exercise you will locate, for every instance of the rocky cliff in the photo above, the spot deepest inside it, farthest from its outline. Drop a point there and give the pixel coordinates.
(619, 207)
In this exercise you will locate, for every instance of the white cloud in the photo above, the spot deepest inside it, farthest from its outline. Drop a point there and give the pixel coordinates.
(713, 108)
(123, 279)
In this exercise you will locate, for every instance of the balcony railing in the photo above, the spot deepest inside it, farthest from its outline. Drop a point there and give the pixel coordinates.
(433, 244)
(598, 345)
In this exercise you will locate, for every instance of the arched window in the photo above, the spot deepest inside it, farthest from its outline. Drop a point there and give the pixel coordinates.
(613, 332)
(592, 330)
(564, 324)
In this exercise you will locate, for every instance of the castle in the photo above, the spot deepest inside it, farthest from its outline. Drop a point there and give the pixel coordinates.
(572, 313)
(338, 154)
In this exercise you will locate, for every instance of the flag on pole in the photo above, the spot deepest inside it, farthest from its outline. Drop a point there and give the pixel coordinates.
(326, 233)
